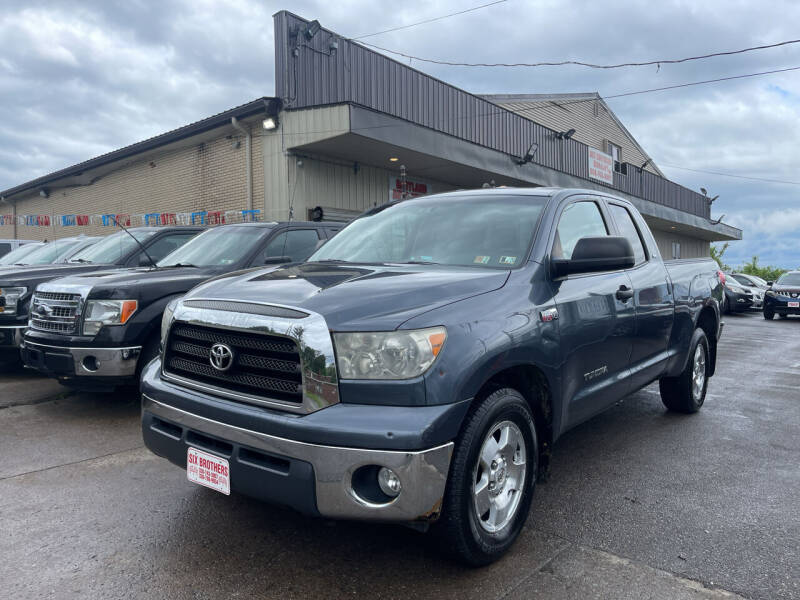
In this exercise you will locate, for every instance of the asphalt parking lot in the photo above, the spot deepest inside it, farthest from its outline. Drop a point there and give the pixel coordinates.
(640, 504)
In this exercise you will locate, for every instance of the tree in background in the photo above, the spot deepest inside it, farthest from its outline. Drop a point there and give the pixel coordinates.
(767, 273)
(717, 252)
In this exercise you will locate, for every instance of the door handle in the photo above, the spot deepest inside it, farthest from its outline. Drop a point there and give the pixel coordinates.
(624, 293)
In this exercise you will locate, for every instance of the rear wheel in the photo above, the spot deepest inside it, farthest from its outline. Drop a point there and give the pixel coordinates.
(687, 392)
(769, 314)
(492, 477)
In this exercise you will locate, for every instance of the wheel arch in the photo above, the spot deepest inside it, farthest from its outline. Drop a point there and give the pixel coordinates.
(708, 321)
(530, 381)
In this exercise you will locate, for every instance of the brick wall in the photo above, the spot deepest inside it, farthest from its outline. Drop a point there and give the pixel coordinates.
(208, 175)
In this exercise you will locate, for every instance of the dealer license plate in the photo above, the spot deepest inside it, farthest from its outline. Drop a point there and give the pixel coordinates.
(794, 304)
(208, 470)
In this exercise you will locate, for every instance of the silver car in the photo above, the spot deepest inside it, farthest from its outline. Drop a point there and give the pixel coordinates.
(753, 284)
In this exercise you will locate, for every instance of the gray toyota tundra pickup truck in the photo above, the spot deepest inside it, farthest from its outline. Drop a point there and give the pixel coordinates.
(420, 365)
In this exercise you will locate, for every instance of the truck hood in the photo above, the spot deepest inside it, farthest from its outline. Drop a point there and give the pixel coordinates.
(355, 297)
(140, 282)
(31, 275)
(792, 291)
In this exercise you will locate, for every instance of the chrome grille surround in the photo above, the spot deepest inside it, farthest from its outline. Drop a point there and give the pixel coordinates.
(56, 312)
(306, 343)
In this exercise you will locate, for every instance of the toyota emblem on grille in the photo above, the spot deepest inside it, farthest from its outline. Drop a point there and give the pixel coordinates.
(221, 357)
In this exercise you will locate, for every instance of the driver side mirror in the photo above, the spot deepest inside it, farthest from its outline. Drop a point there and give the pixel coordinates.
(277, 260)
(595, 254)
(769, 283)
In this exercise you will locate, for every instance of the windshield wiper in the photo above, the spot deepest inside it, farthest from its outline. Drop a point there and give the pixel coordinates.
(417, 262)
(79, 260)
(178, 264)
(332, 260)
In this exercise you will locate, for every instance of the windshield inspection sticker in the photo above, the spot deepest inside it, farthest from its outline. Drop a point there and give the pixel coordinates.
(482, 260)
(508, 260)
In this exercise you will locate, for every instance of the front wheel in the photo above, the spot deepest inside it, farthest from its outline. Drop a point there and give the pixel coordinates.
(769, 314)
(492, 477)
(687, 392)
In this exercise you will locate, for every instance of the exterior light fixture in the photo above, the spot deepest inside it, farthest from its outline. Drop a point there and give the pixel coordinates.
(393, 159)
(565, 135)
(270, 123)
(311, 29)
(532, 149)
(644, 164)
(44, 193)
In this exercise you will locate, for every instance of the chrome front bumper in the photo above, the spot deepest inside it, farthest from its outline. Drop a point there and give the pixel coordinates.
(11, 335)
(88, 362)
(423, 474)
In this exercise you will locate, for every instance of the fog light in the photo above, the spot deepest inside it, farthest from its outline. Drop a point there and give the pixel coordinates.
(389, 482)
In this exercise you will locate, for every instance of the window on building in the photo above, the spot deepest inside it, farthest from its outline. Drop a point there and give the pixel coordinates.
(579, 220)
(297, 244)
(676, 250)
(616, 155)
(628, 228)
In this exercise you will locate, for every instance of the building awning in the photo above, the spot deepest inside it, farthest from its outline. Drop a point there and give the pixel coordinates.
(371, 138)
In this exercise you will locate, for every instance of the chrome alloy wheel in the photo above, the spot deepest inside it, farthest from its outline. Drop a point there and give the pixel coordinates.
(499, 476)
(698, 372)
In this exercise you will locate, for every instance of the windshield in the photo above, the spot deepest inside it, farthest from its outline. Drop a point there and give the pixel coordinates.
(789, 279)
(741, 280)
(111, 249)
(476, 231)
(216, 247)
(15, 256)
(47, 254)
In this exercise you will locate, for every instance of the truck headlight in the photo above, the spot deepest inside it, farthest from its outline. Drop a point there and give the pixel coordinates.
(107, 312)
(166, 320)
(387, 355)
(9, 296)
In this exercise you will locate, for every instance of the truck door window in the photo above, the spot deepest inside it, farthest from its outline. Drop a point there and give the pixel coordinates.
(297, 244)
(628, 228)
(579, 220)
(166, 245)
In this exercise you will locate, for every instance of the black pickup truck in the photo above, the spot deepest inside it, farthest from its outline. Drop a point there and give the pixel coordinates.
(96, 330)
(113, 252)
(419, 367)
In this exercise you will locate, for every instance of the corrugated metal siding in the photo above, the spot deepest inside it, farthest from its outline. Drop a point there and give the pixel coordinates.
(691, 247)
(358, 75)
(580, 114)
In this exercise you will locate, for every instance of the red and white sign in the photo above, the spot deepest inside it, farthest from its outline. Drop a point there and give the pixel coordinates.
(208, 470)
(601, 166)
(793, 304)
(414, 188)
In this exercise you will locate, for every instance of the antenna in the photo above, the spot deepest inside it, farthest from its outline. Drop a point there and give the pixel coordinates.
(118, 224)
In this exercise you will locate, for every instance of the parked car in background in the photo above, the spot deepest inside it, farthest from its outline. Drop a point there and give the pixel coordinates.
(737, 297)
(754, 285)
(97, 330)
(53, 253)
(122, 249)
(420, 365)
(782, 298)
(16, 256)
(7, 246)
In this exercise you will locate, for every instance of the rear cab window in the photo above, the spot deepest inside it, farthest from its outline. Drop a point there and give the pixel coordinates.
(628, 229)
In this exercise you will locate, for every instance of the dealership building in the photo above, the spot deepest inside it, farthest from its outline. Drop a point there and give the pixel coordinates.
(349, 129)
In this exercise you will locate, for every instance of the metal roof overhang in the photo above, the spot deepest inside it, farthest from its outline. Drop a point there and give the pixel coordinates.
(373, 137)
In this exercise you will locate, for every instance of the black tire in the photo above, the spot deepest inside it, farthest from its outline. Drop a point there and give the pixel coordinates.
(462, 531)
(679, 393)
(769, 314)
(726, 306)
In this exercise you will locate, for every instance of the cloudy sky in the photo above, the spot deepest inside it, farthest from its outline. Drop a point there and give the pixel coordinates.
(78, 79)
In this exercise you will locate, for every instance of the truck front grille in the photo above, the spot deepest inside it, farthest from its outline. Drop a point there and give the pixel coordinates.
(262, 366)
(55, 312)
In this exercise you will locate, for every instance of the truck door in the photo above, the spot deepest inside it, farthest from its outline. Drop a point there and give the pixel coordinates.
(596, 319)
(652, 300)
